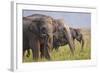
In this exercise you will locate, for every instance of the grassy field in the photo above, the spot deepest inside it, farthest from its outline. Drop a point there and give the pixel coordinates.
(64, 52)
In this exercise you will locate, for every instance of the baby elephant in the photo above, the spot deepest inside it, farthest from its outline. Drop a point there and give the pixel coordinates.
(61, 40)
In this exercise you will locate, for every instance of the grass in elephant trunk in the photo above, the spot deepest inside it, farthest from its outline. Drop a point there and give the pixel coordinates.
(64, 52)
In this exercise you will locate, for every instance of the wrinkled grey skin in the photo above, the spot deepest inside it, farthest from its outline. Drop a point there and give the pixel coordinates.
(60, 39)
(37, 34)
(62, 35)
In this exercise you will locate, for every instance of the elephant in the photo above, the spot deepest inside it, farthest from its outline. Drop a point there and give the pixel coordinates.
(77, 34)
(60, 39)
(37, 35)
(63, 34)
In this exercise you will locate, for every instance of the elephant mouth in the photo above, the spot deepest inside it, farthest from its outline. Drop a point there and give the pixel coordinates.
(43, 35)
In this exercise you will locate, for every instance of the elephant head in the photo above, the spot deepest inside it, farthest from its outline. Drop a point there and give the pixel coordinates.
(41, 25)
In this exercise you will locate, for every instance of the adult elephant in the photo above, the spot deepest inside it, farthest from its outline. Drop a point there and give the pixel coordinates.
(63, 31)
(60, 38)
(37, 35)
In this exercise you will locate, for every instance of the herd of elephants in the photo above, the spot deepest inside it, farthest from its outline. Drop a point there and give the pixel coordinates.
(43, 33)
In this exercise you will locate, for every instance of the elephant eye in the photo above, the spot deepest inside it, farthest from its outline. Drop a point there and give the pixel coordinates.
(43, 28)
(64, 29)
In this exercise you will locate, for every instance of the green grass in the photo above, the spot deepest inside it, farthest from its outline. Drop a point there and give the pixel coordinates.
(64, 52)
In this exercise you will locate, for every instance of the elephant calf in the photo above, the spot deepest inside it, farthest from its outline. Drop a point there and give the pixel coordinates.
(62, 36)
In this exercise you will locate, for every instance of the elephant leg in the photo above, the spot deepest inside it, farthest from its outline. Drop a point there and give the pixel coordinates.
(81, 41)
(44, 52)
(46, 49)
(25, 46)
(23, 53)
(82, 44)
(41, 51)
(35, 46)
(56, 48)
(74, 44)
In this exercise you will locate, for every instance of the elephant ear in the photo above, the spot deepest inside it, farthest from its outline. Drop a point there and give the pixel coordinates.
(30, 23)
(33, 28)
(26, 22)
(30, 27)
(55, 25)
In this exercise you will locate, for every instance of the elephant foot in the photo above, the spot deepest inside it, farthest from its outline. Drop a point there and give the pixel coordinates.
(47, 56)
(41, 55)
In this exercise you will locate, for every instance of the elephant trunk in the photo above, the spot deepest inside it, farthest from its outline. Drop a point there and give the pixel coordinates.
(69, 39)
(71, 45)
(46, 48)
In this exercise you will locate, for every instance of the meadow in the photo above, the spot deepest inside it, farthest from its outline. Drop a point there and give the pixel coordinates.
(64, 52)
